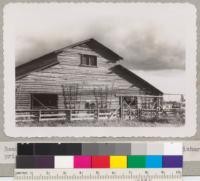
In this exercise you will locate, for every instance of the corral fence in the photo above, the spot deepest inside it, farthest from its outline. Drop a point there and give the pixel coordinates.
(126, 109)
(66, 115)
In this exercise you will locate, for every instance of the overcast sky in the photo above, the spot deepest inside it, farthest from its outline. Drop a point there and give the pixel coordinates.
(149, 37)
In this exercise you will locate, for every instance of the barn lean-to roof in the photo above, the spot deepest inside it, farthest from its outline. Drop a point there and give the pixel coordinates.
(50, 59)
(130, 76)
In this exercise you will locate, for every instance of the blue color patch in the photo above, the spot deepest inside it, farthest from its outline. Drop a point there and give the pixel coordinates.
(154, 161)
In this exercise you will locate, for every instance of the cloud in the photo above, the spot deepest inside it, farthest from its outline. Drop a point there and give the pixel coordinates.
(165, 80)
(145, 51)
(147, 38)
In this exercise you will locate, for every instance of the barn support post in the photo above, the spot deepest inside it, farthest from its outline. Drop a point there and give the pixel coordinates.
(121, 107)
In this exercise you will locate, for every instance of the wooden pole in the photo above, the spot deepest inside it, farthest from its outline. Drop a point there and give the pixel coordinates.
(97, 113)
(70, 115)
(39, 115)
(121, 107)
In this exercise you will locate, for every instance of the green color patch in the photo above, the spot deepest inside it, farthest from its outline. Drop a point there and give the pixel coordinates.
(136, 161)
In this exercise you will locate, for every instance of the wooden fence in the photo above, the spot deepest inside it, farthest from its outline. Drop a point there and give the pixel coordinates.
(65, 115)
(96, 114)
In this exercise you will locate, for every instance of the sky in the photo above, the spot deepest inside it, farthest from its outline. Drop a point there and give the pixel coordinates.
(150, 37)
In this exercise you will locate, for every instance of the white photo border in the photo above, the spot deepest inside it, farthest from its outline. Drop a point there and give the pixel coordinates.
(188, 130)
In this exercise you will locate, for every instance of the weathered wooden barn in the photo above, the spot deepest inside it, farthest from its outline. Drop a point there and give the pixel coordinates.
(81, 81)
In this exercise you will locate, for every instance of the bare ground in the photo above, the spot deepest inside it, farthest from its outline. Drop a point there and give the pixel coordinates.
(176, 122)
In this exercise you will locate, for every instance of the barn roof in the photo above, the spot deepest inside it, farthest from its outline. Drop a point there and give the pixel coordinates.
(50, 59)
(36, 64)
(100, 48)
(130, 76)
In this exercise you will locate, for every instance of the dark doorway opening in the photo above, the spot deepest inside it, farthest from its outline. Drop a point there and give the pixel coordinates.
(44, 101)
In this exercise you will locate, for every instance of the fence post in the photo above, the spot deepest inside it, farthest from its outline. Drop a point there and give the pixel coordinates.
(139, 113)
(97, 113)
(70, 115)
(39, 115)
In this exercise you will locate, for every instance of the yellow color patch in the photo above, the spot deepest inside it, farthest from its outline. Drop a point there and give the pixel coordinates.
(118, 161)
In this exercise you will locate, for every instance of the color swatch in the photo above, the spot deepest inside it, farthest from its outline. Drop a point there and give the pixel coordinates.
(172, 161)
(136, 161)
(64, 161)
(137, 148)
(99, 155)
(118, 161)
(130, 161)
(35, 162)
(154, 161)
(82, 162)
(100, 161)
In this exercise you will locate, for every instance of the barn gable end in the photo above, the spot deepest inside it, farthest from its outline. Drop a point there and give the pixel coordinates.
(88, 47)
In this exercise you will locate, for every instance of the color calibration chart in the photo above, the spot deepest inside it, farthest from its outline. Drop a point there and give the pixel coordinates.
(99, 161)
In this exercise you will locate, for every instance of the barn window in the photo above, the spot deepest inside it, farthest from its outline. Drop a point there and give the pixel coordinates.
(89, 60)
(44, 101)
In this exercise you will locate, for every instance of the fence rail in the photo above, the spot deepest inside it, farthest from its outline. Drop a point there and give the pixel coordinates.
(96, 114)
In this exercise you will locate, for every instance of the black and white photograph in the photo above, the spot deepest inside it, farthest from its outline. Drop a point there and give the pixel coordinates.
(101, 65)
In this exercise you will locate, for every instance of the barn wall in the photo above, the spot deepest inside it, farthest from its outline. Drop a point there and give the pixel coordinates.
(68, 71)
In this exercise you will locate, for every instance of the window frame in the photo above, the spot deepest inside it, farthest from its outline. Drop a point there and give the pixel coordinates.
(88, 59)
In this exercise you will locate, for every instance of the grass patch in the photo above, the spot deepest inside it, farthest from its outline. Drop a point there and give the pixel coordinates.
(164, 122)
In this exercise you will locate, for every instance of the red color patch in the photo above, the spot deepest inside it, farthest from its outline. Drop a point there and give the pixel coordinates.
(100, 162)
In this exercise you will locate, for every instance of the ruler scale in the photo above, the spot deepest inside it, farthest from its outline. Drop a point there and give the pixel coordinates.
(98, 174)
